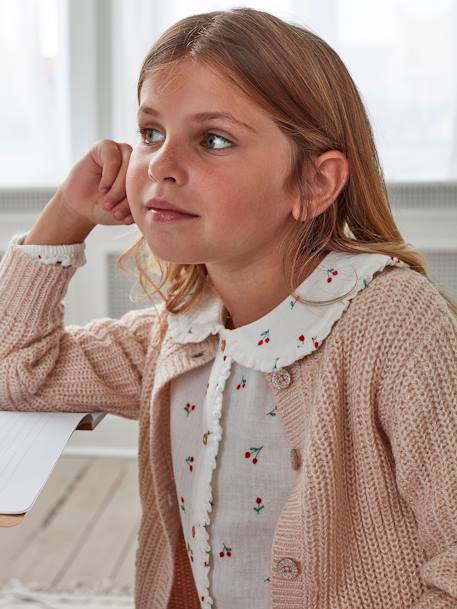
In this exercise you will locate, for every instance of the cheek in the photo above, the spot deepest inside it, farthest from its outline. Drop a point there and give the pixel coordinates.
(135, 176)
(241, 202)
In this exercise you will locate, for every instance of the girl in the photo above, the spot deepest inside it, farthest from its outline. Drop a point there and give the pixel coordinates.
(296, 388)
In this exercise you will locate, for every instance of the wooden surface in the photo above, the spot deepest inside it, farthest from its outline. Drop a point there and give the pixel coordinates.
(81, 534)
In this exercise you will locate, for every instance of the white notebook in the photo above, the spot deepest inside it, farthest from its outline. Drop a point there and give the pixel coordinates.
(30, 445)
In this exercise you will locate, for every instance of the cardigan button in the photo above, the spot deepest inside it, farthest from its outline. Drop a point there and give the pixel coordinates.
(287, 568)
(205, 437)
(193, 531)
(295, 458)
(223, 343)
(280, 378)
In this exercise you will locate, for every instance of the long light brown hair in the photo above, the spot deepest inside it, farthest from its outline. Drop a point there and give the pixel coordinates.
(305, 87)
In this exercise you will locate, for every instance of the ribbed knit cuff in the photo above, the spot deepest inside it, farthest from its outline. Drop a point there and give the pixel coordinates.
(30, 291)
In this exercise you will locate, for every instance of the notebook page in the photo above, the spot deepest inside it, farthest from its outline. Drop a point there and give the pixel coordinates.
(30, 445)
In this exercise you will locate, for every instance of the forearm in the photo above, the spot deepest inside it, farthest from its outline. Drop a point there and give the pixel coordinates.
(57, 225)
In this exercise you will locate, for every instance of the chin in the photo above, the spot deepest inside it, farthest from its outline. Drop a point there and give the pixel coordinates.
(166, 255)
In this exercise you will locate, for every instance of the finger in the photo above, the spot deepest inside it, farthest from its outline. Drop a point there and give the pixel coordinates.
(129, 219)
(121, 209)
(117, 190)
(110, 159)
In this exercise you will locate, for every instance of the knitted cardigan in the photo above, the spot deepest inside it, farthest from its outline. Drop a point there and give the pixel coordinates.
(372, 414)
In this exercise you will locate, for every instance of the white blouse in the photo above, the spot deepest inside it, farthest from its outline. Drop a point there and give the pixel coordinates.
(232, 461)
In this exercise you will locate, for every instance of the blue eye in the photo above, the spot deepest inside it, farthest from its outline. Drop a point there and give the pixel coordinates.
(214, 136)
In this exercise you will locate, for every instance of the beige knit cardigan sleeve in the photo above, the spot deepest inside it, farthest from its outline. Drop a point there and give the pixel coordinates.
(47, 366)
(417, 407)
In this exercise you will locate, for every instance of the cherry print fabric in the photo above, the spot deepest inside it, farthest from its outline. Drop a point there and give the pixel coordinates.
(244, 494)
(230, 453)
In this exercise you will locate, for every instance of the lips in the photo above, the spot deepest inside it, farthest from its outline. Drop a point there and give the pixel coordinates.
(160, 204)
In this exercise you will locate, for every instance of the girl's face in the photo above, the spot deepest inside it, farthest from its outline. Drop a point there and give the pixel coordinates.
(230, 175)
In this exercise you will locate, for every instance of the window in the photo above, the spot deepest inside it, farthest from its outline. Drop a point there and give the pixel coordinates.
(33, 121)
(64, 85)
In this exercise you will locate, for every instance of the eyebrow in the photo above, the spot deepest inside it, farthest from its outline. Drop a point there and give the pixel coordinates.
(201, 117)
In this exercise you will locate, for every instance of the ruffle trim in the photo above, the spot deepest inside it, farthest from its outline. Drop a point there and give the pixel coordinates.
(202, 545)
(195, 326)
(66, 255)
(355, 271)
(242, 353)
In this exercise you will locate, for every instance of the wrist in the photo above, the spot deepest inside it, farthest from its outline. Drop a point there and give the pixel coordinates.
(58, 225)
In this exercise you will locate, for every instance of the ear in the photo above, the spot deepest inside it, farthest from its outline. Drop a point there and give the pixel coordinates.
(327, 185)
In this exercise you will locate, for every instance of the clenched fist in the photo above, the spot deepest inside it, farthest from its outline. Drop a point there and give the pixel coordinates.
(95, 187)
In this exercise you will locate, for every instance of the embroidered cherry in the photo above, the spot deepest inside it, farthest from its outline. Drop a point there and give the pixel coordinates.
(265, 337)
(315, 341)
(333, 272)
(255, 450)
(188, 461)
(259, 506)
(242, 384)
(182, 506)
(226, 549)
(189, 408)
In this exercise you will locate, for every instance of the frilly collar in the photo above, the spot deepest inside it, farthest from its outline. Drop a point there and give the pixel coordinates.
(292, 329)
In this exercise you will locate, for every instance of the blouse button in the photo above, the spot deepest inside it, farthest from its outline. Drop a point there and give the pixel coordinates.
(287, 568)
(294, 458)
(205, 437)
(280, 378)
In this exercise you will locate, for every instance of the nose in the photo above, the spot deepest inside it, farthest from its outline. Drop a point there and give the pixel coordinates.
(162, 167)
(167, 176)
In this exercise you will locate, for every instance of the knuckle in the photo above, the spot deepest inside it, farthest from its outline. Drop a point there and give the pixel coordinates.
(105, 142)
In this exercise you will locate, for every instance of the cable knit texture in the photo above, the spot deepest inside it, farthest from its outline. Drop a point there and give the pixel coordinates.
(372, 520)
